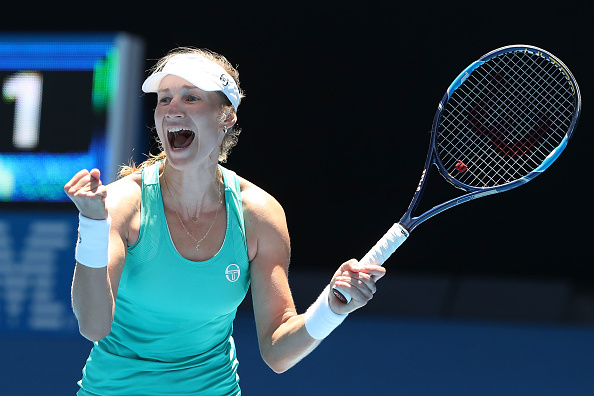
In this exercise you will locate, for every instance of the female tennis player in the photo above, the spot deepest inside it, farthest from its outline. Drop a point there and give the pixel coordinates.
(166, 253)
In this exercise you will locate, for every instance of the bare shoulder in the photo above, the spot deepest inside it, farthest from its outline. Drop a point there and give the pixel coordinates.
(123, 203)
(257, 203)
(124, 192)
(265, 221)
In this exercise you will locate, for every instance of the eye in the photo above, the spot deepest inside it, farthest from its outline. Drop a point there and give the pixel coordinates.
(192, 98)
(164, 100)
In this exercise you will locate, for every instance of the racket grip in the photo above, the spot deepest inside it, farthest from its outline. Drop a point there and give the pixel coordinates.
(383, 249)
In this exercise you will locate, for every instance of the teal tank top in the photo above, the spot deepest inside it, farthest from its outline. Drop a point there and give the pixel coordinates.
(173, 320)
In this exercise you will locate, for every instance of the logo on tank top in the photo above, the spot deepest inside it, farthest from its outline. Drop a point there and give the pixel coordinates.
(232, 272)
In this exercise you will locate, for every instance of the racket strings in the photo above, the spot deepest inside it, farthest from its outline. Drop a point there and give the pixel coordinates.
(516, 110)
(494, 131)
(504, 120)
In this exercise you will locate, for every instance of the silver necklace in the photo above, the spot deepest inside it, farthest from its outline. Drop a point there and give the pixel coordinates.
(194, 218)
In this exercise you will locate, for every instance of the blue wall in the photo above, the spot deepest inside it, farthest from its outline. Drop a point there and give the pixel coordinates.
(367, 355)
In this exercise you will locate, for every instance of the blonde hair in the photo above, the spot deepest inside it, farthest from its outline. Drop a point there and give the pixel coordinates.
(231, 137)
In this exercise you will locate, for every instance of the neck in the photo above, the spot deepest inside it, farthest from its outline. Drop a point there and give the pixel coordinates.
(193, 190)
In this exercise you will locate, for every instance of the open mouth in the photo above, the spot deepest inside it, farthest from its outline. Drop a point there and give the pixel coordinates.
(180, 138)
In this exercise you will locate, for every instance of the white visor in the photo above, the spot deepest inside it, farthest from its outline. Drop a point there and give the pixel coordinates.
(198, 71)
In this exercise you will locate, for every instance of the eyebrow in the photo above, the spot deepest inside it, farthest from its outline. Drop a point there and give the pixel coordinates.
(186, 87)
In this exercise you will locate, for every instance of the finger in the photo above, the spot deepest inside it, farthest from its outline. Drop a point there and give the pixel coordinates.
(359, 296)
(80, 188)
(364, 288)
(363, 276)
(95, 176)
(371, 275)
(88, 187)
(102, 191)
(94, 184)
(344, 285)
(350, 265)
(367, 279)
(367, 273)
(376, 271)
(82, 185)
(95, 173)
(75, 179)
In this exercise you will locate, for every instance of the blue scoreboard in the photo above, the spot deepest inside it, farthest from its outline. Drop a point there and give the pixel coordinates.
(69, 102)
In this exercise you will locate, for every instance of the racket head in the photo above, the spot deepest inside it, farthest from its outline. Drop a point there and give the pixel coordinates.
(504, 120)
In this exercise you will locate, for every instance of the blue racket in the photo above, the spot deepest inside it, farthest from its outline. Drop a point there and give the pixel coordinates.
(503, 121)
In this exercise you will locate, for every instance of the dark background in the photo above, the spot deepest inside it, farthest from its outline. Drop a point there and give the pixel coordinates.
(340, 99)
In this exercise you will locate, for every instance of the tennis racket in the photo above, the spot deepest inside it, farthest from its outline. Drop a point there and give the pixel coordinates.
(503, 121)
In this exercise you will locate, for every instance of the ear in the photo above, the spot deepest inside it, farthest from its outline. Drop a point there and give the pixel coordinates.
(230, 117)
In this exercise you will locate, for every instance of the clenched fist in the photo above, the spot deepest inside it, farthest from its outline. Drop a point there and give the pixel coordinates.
(88, 194)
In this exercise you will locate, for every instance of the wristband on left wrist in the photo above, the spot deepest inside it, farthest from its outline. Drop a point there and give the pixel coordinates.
(319, 318)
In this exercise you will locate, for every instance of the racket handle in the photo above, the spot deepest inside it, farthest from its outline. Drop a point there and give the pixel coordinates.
(378, 254)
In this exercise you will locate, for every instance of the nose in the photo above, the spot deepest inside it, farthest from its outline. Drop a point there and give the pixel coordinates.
(175, 109)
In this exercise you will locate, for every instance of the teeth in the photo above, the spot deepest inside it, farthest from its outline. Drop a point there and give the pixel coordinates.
(176, 129)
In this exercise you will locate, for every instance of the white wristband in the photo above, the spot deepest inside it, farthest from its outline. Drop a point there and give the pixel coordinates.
(320, 320)
(93, 241)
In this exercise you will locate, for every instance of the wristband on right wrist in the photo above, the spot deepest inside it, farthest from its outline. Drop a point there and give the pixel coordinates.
(93, 242)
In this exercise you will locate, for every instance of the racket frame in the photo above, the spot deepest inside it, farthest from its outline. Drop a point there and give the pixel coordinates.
(400, 231)
(408, 221)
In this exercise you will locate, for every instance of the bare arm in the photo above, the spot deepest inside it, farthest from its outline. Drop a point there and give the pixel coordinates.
(282, 335)
(94, 289)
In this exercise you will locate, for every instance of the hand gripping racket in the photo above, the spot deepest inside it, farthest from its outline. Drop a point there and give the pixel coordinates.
(503, 121)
